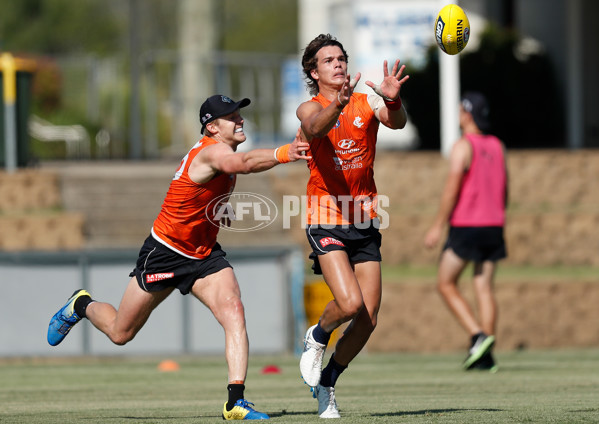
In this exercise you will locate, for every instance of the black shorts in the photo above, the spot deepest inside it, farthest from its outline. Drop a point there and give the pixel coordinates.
(159, 267)
(360, 244)
(477, 244)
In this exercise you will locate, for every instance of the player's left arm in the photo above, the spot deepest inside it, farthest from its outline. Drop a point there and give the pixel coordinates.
(387, 105)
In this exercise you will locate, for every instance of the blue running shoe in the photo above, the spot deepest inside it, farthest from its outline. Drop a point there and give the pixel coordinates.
(62, 322)
(243, 411)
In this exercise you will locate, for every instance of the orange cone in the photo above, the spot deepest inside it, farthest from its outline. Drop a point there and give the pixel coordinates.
(168, 365)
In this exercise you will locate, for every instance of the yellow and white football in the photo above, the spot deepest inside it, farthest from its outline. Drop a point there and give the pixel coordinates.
(452, 29)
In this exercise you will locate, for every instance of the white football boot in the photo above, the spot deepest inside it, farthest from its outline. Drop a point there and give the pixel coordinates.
(327, 405)
(311, 360)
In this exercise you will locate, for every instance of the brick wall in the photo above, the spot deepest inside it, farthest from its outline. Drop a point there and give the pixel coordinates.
(553, 214)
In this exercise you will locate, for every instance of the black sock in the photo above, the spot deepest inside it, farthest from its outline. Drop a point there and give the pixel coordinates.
(320, 335)
(331, 373)
(235, 393)
(81, 305)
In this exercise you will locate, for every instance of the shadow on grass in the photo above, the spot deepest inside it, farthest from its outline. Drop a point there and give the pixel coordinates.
(199, 417)
(161, 419)
(423, 412)
(432, 411)
(284, 412)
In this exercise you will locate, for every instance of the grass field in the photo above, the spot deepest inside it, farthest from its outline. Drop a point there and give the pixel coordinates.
(531, 387)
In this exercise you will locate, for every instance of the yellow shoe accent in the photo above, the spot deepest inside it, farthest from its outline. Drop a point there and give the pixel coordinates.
(71, 307)
(243, 411)
(237, 413)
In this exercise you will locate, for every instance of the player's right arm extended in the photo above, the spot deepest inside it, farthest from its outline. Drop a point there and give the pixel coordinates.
(317, 121)
(220, 158)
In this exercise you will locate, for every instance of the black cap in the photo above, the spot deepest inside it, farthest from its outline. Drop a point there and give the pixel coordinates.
(218, 105)
(476, 103)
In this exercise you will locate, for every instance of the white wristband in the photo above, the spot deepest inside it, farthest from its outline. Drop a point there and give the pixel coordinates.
(276, 150)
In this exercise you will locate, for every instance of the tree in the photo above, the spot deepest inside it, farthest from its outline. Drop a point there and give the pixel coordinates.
(60, 26)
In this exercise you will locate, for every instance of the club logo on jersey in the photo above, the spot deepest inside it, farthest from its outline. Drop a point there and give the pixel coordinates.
(358, 122)
(241, 212)
(324, 242)
(152, 278)
(346, 143)
(347, 147)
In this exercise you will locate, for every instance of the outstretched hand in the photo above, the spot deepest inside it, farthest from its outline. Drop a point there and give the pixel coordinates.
(299, 147)
(347, 89)
(392, 82)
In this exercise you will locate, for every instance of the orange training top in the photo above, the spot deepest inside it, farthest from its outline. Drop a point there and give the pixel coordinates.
(186, 223)
(341, 188)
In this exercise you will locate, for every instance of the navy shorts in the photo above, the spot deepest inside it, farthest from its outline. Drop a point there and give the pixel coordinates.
(477, 244)
(159, 267)
(360, 244)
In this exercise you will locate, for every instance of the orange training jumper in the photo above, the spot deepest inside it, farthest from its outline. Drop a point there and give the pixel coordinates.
(341, 188)
(186, 223)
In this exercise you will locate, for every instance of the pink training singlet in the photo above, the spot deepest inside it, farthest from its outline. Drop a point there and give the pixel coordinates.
(186, 221)
(482, 198)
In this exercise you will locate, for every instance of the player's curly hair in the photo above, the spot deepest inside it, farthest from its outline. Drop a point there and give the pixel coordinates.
(309, 60)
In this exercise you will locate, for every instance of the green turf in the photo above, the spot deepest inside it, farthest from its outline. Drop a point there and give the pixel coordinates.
(531, 387)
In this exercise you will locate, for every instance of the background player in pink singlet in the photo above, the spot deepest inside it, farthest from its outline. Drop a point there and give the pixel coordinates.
(473, 203)
(182, 252)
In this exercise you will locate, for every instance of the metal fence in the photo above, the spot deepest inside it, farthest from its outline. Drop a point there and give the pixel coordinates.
(35, 285)
(170, 95)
